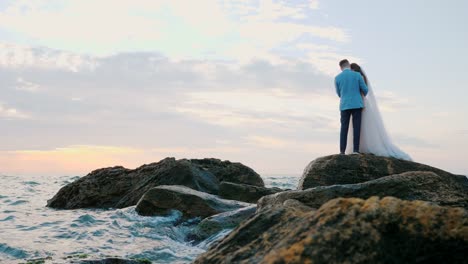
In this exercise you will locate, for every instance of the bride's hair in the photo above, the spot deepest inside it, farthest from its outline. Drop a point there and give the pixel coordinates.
(355, 67)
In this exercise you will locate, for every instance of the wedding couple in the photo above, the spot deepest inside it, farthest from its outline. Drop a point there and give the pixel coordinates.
(360, 112)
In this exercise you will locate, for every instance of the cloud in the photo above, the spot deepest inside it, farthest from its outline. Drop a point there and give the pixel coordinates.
(137, 99)
(142, 116)
(392, 102)
(309, 145)
(74, 23)
(256, 109)
(139, 107)
(314, 4)
(19, 56)
(268, 10)
(26, 86)
(9, 113)
(228, 30)
(269, 142)
(415, 142)
(232, 79)
(324, 57)
(150, 106)
(81, 159)
(69, 160)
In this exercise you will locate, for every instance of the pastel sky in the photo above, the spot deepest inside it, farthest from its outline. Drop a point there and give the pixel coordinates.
(87, 84)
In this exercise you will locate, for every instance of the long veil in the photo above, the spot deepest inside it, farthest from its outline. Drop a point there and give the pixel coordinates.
(374, 136)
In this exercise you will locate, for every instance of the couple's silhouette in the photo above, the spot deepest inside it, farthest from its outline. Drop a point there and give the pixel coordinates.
(360, 112)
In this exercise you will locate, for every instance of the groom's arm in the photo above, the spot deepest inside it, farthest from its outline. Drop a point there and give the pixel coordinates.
(362, 85)
(337, 88)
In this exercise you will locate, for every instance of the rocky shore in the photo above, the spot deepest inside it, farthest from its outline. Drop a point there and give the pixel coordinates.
(346, 209)
(118, 187)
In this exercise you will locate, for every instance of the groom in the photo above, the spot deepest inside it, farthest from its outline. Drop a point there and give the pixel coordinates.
(349, 85)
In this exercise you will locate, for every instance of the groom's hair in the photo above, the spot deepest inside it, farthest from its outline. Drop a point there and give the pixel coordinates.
(344, 63)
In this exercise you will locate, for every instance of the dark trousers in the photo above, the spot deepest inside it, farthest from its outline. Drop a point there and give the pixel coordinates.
(345, 117)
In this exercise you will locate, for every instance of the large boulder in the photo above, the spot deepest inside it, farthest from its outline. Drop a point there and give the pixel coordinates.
(348, 169)
(244, 192)
(118, 187)
(227, 220)
(348, 230)
(163, 199)
(230, 171)
(419, 185)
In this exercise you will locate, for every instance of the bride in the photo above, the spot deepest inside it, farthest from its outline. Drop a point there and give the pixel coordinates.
(374, 136)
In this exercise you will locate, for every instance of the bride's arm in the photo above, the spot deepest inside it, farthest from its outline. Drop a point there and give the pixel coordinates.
(363, 86)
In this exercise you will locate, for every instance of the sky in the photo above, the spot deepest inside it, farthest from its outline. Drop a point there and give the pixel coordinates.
(90, 84)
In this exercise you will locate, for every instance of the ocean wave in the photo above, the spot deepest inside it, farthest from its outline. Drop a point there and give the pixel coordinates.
(14, 252)
(18, 202)
(8, 218)
(31, 230)
(31, 183)
(210, 240)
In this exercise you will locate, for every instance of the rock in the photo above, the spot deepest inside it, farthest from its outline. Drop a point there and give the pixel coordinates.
(349, 169)
(418, 185)
(241, 243)
(230, 171)
(118, 187)
(162, 199)
(293, 203)
(215, 223)
(244, 192)
(348, 230)
(116, 261)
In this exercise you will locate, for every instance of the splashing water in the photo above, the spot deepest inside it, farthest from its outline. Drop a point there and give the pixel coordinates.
(29, 230)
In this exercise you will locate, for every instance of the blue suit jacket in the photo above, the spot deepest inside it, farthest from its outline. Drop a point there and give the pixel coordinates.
(349, 85)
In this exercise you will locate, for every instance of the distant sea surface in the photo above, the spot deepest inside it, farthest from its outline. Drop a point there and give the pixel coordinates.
(29, 230)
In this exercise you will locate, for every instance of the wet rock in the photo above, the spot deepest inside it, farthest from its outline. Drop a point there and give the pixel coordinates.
(230, 171)
(244, 192)
(227, 220)
(162, 199)
(349, 169)
(348, 230)
(118, 187)
(418, 185)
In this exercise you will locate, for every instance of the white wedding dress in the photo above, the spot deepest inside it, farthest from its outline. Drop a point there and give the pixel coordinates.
(374, 136)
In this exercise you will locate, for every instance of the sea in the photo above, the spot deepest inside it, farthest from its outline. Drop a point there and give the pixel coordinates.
(31, 232)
